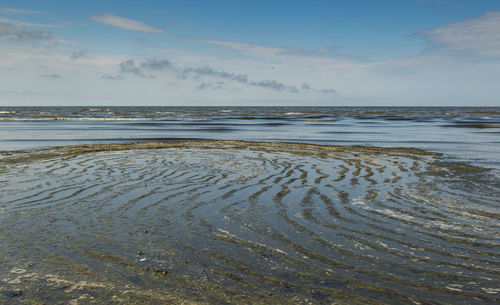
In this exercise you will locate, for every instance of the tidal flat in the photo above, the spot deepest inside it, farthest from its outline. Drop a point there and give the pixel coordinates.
(235, 222)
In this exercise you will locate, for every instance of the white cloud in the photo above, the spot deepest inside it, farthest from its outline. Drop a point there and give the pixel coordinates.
(478, 36)
(461, 68)
(256, 50)
(246, 49)
(17, 11)
(126, 24)
(29, 24)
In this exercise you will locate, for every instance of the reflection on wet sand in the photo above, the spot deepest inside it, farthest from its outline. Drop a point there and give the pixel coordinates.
(241, 222)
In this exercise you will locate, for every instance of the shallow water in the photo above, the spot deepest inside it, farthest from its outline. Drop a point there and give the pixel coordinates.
(173, 218)
(469, 134)
(239, 222)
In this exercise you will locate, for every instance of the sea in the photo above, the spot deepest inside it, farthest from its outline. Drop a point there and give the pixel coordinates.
(249, 205)
(469, 134)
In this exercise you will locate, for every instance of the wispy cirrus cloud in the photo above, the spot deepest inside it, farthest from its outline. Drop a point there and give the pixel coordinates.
(29, 24)
(126, 24)
(256, 50)
(246, 49)
(477, 36)
(18, 11)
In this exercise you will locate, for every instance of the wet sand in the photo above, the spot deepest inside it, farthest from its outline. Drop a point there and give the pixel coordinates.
(216, 222)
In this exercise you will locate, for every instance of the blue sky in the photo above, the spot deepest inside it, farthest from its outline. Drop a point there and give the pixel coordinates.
(400, 52)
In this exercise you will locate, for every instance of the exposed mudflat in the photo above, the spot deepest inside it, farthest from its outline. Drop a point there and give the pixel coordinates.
(238, 222)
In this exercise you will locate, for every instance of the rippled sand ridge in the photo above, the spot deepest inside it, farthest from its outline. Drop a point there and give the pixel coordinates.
(239, 222)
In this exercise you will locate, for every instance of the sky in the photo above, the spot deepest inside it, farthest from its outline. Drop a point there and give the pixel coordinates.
(245, 53)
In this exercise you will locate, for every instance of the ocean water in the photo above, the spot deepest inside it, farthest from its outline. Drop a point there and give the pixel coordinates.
(249, 205)
(470, 134)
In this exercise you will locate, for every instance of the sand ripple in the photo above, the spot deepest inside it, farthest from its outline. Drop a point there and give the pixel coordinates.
(230, 221)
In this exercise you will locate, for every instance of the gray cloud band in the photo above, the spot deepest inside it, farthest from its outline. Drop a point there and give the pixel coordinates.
(52, 76)
(78, 54)
(8, 30)
(130, 66)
